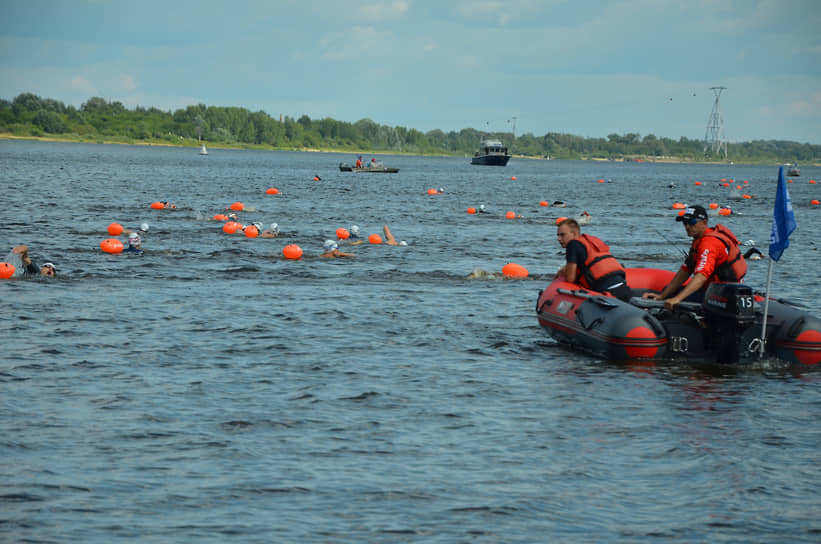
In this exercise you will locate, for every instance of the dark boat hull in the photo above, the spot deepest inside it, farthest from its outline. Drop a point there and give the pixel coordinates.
(606, 327)
(370, 169)
(490, 160)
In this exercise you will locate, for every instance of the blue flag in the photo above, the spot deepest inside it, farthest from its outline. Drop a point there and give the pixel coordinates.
(783, 219)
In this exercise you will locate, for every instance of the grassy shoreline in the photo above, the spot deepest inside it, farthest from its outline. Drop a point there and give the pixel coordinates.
(196, 144)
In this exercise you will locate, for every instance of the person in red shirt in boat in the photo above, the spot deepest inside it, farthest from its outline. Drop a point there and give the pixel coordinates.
(359, 162)
(714, 256)
(589, 262)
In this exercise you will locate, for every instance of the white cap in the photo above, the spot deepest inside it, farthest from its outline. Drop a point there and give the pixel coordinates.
(354, 230)
(274, 228)
(144, 227)
(329, 245)
(134, 239)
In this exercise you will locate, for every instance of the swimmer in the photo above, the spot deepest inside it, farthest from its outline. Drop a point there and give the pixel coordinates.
(134, 243)
(482, 209)
(389, 239)
(270, 232)
(143, 229)
(168, 205)
(353, 238)
(332, 250)
(20, 254)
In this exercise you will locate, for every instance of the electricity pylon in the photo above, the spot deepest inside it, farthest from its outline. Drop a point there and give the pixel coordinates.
(714, 138)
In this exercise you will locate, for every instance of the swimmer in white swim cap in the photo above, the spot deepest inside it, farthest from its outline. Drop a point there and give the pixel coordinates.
(134, 243)
(270, 232)
(332, 250)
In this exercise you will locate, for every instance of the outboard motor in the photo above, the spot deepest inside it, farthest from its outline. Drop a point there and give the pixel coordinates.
(729, 310)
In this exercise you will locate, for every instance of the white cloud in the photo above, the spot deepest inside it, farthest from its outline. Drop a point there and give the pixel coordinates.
(126, 82)
(81, 84)
(381, 11)
(361, 41)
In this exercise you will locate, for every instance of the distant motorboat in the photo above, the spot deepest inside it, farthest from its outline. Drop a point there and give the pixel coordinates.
(203, 151)
(793, 170)
(491, 152)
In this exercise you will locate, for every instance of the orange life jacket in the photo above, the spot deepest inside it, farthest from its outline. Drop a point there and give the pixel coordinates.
(735, 267)
(599, 262)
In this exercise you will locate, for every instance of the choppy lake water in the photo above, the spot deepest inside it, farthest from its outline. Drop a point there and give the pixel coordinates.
(211, 390)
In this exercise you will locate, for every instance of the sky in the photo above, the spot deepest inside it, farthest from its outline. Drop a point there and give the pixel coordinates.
(585, 67)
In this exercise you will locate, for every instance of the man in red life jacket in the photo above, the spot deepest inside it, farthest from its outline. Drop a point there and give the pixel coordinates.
(589, 262)
(359, 162)
(714, 256)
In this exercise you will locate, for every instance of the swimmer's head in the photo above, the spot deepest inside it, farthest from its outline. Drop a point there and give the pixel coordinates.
(233, 216)
(134, 239)
(48, 269)
(403, 243)
(354, 230)
(481, 207)
(144, 227)
(258, 226)
(330, 245)
(274, 228)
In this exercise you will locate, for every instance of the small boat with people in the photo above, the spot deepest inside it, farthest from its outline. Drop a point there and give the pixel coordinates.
(726, 328)
(374, 166)
(793, 170)
(492, 152)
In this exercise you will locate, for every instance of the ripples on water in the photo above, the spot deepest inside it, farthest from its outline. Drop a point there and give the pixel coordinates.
(211, 390)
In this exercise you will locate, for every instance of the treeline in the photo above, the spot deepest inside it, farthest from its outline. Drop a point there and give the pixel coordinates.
(98, 119)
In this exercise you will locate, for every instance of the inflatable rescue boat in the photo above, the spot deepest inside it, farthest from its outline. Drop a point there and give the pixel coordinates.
(723, 329)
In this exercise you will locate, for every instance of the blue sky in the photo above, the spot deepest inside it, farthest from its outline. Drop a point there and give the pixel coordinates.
(589, 68)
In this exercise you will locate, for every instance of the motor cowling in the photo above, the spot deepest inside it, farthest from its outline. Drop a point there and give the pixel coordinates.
(729, 303)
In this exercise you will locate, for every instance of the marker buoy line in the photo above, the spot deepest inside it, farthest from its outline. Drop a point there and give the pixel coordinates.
(115, 229)
(375, 239)
(342, 233)
(6, 270)
(111, 245)
(513, 270)
(292, 252)
(157, 205)
(272, 191)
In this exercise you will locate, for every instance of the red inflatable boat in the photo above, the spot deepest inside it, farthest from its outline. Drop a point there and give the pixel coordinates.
(724, 329)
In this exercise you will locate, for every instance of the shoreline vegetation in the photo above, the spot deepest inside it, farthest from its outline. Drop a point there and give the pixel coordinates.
(30, 117)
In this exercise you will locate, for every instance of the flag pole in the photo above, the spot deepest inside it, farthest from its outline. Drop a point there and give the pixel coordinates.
(766, 310)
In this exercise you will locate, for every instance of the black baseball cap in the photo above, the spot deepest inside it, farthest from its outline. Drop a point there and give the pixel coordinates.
(693, 212)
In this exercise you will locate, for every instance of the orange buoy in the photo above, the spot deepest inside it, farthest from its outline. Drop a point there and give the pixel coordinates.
(713, 205)
(789, 181)
(237, 206)
(292, 251)
(698, 183)
(725, 184)
(738, 187)
(812, 181)
(6, 270)
(513, 178)
(601, 181)
(251, 231)
(511, 215)
(432, 191)
(471, 210)
(111, 245)
(115, 229)
(316, 178)
(342, 233)
(725, 211)
(746, 182)
(272, 191)
(560, 219)
(157, 205)
(681, 212)
(513, 270)
(544, 203)
(678, 206)
(814, 202)
(375, 239)
(220, 217)
(746, 196)
(230, 227)
(723, 179)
